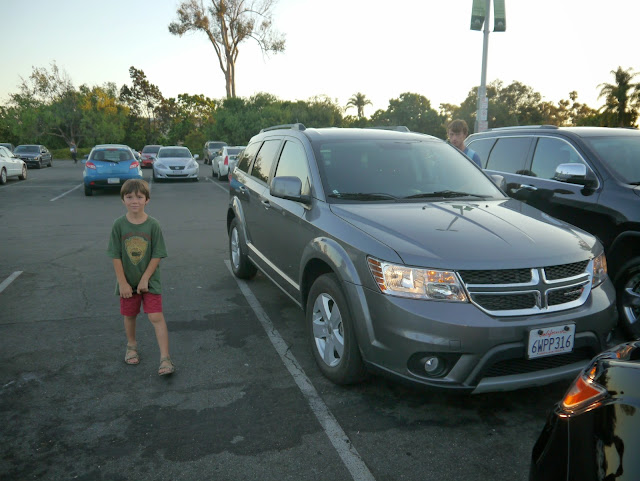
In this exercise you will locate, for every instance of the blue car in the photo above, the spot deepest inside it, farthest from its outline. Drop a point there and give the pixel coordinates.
(109, 166)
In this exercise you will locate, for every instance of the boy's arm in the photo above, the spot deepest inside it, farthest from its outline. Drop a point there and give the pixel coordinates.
(143, 285)
(125, 288)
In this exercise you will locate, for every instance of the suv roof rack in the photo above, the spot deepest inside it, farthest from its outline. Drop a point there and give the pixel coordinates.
(517, 127)
(297, 126)
(399, 128)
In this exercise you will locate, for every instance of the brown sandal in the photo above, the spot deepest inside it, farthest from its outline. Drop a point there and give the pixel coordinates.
(131, 355)
(168, 368)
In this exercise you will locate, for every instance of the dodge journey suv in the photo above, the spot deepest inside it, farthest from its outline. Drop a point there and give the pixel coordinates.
(407, 259)
(587, 176)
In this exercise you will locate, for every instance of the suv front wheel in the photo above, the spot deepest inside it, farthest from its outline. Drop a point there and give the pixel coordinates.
(630, 314)
(331, 332)
(240, 263)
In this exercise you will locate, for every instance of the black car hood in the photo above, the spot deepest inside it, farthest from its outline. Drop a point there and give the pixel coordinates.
(470, 235)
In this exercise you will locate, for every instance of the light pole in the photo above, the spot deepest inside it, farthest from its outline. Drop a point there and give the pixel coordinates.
(481, 14)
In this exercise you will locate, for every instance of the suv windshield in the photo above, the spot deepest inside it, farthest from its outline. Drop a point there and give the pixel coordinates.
(621, 154)
(392, 170)
(111, 155)
(176, 152)
(27, 149)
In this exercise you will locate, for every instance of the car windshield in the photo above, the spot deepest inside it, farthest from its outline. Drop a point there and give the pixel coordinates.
(179, 152)
(28, 149)
(234, 151)
(621, 154)
(215, 146)
(151, 149)
(111, 155)
(394, 170)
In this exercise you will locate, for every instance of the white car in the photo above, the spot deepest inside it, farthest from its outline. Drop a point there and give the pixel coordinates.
(11, 166)
(221, 164)
(175, 162)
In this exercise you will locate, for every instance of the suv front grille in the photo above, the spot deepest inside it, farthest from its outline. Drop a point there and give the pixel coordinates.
(516, 292)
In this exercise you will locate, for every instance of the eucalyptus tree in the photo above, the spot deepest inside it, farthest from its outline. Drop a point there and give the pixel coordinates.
(228, 23)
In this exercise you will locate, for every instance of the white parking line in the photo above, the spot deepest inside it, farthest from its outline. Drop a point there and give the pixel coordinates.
(67, 192)
(335, 433)
(9, 280)
(217, 184)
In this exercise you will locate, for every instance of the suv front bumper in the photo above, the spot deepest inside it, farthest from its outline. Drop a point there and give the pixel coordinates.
(480, 352)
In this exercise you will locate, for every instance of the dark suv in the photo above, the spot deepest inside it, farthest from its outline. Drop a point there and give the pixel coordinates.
(587, 176)
(211, 150)
(407, 259)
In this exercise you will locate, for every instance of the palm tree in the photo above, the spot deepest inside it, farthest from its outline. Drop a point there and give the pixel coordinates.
(359, 100)
(622, 97)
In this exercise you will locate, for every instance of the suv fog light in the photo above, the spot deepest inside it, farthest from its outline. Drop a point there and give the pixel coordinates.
(432, 365)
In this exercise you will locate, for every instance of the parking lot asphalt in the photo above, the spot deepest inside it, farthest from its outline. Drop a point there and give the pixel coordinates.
(246, 402)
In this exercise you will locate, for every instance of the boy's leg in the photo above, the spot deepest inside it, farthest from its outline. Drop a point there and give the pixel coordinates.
(162, 333)
(130, 329)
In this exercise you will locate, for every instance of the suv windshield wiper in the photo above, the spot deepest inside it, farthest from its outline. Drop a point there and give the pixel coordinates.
(445, 193)
(361, 196)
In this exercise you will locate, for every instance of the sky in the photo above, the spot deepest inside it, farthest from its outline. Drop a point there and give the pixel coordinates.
(333, 47)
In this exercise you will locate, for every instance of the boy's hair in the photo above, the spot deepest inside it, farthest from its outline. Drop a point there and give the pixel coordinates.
(458, 126)
(135, 186)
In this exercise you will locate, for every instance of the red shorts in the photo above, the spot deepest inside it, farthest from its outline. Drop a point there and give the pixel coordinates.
(131, 306)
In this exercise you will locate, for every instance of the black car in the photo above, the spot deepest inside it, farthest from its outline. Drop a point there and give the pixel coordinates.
(587, 176)
(34, 155)
(593, 434)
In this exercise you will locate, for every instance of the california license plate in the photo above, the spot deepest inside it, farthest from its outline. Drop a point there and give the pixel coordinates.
(113, 180)
(549, 341)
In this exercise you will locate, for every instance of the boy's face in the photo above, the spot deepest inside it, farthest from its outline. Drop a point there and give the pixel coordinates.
(457, 139)
(135, 202)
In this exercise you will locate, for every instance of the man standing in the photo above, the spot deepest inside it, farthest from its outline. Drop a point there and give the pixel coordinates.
(74, 152)
(457, 131)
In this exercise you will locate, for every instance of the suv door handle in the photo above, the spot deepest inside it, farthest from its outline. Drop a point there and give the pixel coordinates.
(266, 203)
(528, 187)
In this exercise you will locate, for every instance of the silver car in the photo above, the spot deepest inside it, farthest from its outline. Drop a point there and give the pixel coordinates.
(222, 164)
(175, 162)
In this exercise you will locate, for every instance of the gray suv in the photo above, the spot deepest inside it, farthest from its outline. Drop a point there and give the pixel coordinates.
(408, 260)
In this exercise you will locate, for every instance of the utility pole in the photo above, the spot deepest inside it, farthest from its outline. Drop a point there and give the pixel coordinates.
(481, 14)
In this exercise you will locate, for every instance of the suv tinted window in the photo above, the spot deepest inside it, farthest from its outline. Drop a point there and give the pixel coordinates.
(293, 162)
(245, 159)
(549, 154)
(264, 160)
(482, 147)
(509, 155)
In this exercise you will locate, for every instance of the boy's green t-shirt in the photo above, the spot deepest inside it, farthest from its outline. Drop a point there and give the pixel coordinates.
(136, 245)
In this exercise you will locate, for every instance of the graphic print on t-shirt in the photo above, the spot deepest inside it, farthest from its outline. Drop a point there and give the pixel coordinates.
(136, 247)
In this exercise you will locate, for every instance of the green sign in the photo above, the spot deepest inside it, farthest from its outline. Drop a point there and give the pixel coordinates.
(500, 19)
(477, 14)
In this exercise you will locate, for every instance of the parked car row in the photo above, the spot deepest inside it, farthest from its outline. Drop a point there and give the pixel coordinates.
(407, 260)
(225, 162)
(11, 166)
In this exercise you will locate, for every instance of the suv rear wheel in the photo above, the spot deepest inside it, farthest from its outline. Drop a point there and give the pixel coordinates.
(331, 333)
(628, 285)
(240, 263)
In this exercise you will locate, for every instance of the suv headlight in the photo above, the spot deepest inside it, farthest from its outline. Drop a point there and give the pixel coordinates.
(599, 270)
(416, 283)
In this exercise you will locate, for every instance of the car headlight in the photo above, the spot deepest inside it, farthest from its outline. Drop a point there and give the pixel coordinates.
(158, 164)
(193, 164)
(599, 274)
(417, 283)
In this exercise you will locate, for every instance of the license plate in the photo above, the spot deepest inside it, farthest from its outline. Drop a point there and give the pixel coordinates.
(113, 180)
(549, 341)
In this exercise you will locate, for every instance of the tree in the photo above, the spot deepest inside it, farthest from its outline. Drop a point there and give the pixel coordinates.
(621, 97)
(143, 99)
(359, 101)
(227, 23)
(413, 111)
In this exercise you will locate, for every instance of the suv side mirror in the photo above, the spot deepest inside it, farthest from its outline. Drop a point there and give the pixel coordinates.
(288, 188)
(575, 174)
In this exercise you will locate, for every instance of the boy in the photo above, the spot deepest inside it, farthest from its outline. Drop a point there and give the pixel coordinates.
(457, 131)
(136, 247)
